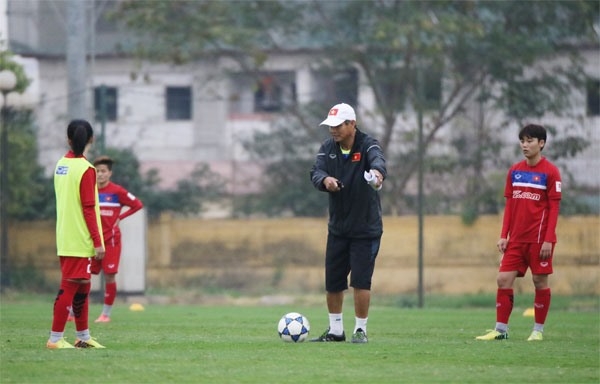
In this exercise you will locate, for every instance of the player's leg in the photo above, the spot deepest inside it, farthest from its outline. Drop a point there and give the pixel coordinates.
(62, 303)
(96, 268)
(540, 269)
(81, 308)
(512, 265)
(73, 269)
(363, 253)
(110, 268)
(362, 300)
(110, 293)
(337, 267)
(81, 305)
(504, 299)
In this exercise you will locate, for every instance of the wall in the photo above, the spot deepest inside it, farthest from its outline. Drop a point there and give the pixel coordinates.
(257, 256)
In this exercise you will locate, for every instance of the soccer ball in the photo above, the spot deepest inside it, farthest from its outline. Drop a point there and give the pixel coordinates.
(293, 327)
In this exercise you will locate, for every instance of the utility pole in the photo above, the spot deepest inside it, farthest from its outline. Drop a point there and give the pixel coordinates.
(76, 59)
(420, 200)
(103, 120)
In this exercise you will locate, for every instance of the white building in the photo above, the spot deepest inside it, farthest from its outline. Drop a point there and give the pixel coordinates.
(173, 117)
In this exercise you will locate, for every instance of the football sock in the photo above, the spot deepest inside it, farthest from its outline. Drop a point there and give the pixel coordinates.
(106, 309)
(336, 324)
(81, 306)
(55, 336)
(110, 293)
(541, 304)
(83, 335)
(360, 324)
(502, 327)
(63, 301)
(504, 305)
(538, 327)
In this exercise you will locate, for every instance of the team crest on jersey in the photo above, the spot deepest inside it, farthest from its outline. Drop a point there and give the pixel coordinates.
(355, 157)
(62, 170)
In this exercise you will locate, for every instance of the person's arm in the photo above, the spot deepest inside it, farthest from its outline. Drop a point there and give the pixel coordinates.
(554, 195)
(376, 159)
(129, 200)
(318, 172)
(87, 192)
(553, 209)
(507, 219)
(550, 237)
(504, 233)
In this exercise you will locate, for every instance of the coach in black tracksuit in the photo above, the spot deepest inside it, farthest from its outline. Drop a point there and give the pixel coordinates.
(355, 222)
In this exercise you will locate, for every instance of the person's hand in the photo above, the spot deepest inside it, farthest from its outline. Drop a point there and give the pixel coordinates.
(379, 177)
(332, 184)
(502, 245)
(546, 250)
(99, 253)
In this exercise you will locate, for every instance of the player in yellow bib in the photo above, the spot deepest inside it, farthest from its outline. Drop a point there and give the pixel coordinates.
(78, 237)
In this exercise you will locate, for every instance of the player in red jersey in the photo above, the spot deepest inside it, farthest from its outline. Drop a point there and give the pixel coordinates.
(533, 193)
(113, 198)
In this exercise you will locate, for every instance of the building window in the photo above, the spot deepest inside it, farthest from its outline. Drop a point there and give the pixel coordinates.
(105, 103)
(593, 97)
(335, 86)
(267, 92)
(268, 95)
(179, 103)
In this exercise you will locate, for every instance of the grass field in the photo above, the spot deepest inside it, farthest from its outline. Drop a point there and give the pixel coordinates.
(239, 344)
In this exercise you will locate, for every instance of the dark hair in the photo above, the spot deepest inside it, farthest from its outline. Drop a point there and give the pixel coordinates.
(534, 131)
(79, 133)
(104, 160)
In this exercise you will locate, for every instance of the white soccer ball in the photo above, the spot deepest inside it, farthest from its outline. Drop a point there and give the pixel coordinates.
(293, 327)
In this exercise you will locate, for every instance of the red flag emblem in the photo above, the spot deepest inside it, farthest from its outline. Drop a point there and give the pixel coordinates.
(355, 157)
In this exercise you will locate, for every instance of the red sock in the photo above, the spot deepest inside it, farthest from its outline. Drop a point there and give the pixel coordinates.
(541, 303)
(110, 293)
(81, 306)
(63, 301)
(504, 304)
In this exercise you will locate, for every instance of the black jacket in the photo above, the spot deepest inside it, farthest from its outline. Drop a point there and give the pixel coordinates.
(355, 211)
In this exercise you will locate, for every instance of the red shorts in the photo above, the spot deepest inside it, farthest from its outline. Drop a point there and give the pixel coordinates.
(75, 267)
(519, 256)
(110, 263)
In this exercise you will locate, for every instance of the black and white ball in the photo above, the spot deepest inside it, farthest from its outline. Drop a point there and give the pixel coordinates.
(293, 327)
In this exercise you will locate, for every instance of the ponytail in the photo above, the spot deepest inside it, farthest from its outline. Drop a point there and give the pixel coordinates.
(79, 133)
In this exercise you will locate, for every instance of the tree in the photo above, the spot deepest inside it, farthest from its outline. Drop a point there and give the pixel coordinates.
(286, 186)
(29, 190)
(470, 54)
(31, 193)
(189, 197)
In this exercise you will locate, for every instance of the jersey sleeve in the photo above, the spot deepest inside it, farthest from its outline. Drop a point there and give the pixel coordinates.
(127, 199)
(554, 189)
(87, 192)
(506, 219)
(508, 206)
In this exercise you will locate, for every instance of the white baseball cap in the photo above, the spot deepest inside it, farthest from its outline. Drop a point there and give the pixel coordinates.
(338, 114)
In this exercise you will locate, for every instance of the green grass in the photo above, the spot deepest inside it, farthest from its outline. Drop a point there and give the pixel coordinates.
(229, 344)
